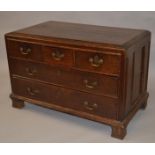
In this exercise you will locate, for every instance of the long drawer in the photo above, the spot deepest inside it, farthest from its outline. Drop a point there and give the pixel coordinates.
(83, 81)
(97, 105)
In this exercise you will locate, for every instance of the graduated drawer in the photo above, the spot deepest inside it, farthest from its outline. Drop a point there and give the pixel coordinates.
(104, 63)
(97, 105)
(83, 81)
(28, 51)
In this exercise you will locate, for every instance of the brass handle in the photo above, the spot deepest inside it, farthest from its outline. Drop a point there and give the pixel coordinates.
(25, 51)
(89, 85)
(96, 61)
(89, 106)
(30, 71)
(32, 92)
(57, 55)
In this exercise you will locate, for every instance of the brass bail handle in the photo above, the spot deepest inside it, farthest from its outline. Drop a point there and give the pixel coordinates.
(30, 71)
(89, 106)
(90, 85)
(32, 92)
(57, 55)
(96, 61)
(25, 50)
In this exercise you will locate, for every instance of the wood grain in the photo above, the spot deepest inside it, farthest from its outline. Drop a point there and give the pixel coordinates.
(94, 72)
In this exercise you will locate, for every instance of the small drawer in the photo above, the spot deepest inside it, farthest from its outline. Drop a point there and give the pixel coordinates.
(24, 50)
(84, 81)
(97, 105)
(58, 56)
(98, 62)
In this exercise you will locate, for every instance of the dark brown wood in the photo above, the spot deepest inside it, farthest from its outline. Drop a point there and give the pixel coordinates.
(17, 103)
(83, 81)
(111, 63)
(83, 32)
(66, 97)
(94, 72)
(15, 50)
(137, 72)
(118, 132)
(66, 60)
(144, 104)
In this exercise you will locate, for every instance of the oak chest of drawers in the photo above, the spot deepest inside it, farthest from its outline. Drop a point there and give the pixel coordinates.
(95, 72)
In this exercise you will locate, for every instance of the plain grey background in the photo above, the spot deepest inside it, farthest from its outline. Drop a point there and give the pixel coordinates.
(36, 124)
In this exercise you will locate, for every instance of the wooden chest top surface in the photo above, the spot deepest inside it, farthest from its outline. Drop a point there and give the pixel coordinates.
(83, 32)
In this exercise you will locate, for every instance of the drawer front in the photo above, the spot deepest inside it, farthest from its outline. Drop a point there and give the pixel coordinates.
(98, 62)
(88, 82)
(77, 100)
(24, 50)
(58, 56)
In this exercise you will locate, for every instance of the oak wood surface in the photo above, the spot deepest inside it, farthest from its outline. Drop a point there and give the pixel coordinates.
(106, 107)
(74, 79)
(85, 32)
(111, 63)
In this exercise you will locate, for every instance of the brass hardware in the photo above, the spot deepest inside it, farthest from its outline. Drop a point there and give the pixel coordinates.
(31, 71)
(57, 55)
(25, 51)
(90, 85)
(89, 106)
(32, 92)
(96, 61)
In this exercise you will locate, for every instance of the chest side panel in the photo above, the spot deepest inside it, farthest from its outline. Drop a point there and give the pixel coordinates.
(137, 72)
